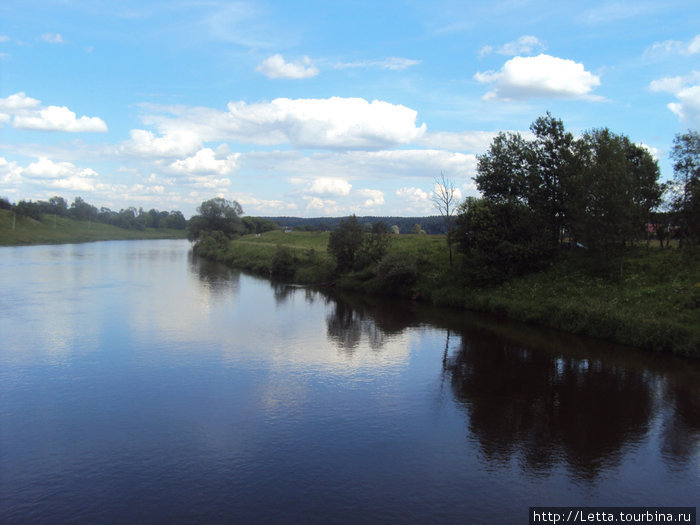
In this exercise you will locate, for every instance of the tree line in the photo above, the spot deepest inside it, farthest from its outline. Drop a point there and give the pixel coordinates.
(129, 218)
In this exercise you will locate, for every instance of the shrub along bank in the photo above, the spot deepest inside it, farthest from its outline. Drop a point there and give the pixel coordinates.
(655, 305)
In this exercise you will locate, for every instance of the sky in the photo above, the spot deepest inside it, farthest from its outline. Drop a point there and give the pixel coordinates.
(318, 108)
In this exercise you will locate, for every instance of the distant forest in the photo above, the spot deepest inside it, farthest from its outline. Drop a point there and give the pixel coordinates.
(431, 225)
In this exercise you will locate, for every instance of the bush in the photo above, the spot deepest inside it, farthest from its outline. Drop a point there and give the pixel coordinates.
(283, 264)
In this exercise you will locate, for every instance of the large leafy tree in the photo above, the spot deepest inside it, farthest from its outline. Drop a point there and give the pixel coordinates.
(614, 192)
(216, 214)
(686, 167)
(535, 173)
(502, 173)
(551, 166)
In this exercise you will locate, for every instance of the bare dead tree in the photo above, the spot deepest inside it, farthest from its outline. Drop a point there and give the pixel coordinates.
(445, 201)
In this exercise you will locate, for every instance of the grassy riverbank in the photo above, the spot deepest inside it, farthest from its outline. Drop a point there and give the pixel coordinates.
(64, 230)
(656, 305)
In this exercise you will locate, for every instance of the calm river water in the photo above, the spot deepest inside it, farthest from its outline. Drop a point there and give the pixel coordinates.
(140, 385)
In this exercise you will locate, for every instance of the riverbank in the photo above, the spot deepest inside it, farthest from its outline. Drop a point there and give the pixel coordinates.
(59, 230)
(656, 306)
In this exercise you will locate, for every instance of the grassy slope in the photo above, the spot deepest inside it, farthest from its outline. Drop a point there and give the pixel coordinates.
(655, 306)
(31, 231)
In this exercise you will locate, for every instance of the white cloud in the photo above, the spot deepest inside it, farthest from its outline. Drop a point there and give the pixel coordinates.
(687, 92)
(540, 76)
(17, 102)
(390, 63)
(177, 143)
(330, 186)
(207, 162)
(10, 172)
(375, 165)
(333, 123)
(322, 206)
(52, 38)
(415, 195)
(673, 47)
(525, 45)
(55, 118)
(276, 67)
(26, 113)
(371, 197)
(474, 141)
(62, 175)
(437, 188)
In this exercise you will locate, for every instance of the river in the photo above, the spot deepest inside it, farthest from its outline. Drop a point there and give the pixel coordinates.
(139, 384)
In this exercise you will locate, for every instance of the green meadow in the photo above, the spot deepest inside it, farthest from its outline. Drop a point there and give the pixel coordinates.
(56, 230)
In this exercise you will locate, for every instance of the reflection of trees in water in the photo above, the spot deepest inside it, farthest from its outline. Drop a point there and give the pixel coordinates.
(681, 431)
(353, 317)
(214, 277)
(547, 409)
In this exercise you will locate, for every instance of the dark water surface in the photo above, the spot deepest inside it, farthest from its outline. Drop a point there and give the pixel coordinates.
(139, 385)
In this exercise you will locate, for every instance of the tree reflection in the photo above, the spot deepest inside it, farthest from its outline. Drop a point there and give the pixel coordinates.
(681, 432)
(215, 277)
(546, 409)
(353, 318)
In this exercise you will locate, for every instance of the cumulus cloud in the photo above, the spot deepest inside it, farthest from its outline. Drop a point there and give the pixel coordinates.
(276, 67)
(55, 118)
(207, 162)
(673, 47)
(371, 197)
(46, 168)
(62, 175)
(390, 63)
(10, 172)
(686, 89)
(26, 113)
(330, 186)
(542, 76)
(52, 38)
(439, 188)
(320, 206)
(332, 123)
(175, 143)
(525, 45)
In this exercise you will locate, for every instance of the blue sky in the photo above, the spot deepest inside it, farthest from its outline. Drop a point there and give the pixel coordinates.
(320, 108)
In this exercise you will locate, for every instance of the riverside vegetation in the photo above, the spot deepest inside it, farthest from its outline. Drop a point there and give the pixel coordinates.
(562, 237)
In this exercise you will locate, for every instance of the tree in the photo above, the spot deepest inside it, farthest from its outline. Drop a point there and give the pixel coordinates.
(501, 238)
(551, 166)
(216, 214)
(613, 194)
(503, 172)
(445, 198)
(345, 242)
(686, 169)
(81, 210)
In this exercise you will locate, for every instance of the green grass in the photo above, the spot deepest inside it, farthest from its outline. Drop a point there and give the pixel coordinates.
(65, 230)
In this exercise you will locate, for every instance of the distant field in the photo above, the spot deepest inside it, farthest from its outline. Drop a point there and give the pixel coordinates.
(65, 230)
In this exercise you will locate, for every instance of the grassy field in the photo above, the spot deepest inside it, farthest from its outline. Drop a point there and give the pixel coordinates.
(65, 230)
(655, 305)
